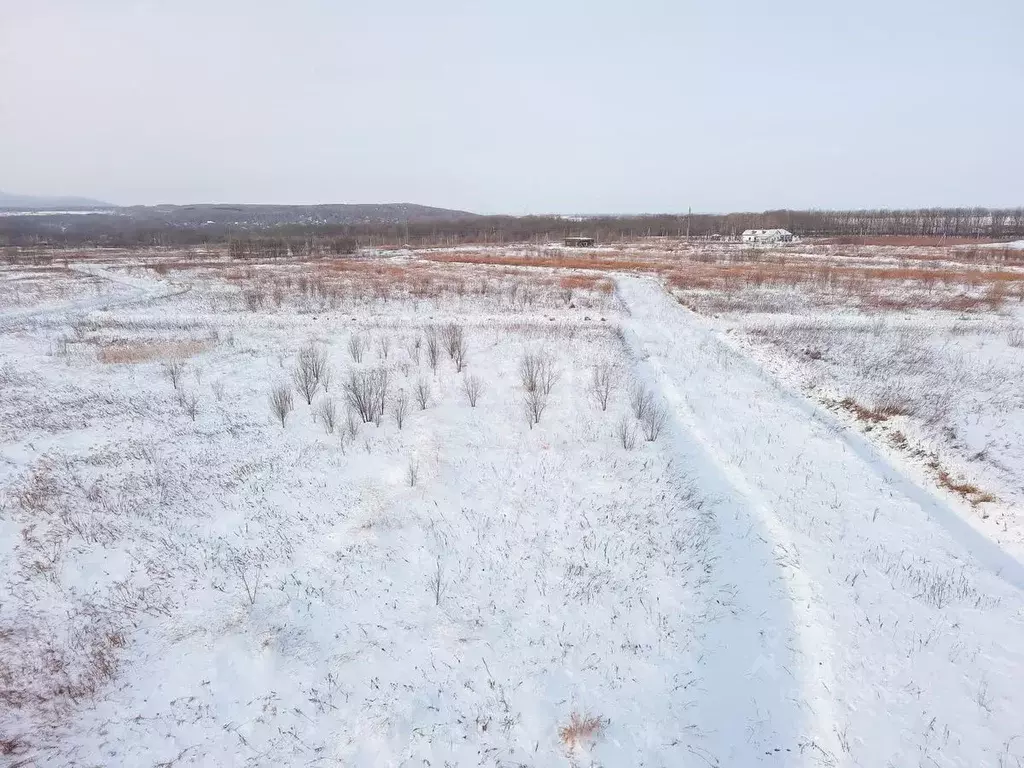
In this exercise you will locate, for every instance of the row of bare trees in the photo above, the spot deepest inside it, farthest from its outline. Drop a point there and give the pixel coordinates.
(300, 239)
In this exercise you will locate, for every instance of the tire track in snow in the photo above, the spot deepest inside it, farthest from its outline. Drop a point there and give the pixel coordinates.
(767, 671)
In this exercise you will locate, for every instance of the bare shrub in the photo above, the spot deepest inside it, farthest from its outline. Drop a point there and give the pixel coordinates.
(415, 344)
(382, 376)
(602, 384)
(537, 372)
(626, 433)
(366, 392)
(529, 371)
(654, 421)
(383, 346)
(641, 399)
(173, 370)
(326, 377)
(189, 402)
(308, 371)
(534, 403)
(253, 297)
(1015, 338)
(453, 339)
(218, 389)
(423, 393)
(472, 386)
(400, 408)
(327, 413)
(433, 349)
(351, 430)
(412, 472)
(356, 347)
(580, 731)
(459, 354)
(360, 393)
(281, 402)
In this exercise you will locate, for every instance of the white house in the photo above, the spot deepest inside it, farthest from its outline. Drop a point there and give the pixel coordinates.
(767, 236)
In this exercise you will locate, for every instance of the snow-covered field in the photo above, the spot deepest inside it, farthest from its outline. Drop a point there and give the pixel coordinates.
(484, 574)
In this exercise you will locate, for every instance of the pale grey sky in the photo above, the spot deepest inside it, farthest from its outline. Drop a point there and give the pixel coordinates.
(517, 107)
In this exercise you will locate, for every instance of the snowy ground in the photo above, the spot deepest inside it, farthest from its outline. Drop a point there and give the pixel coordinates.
(188, 582)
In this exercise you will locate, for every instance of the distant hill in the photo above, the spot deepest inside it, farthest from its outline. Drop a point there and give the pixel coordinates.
(8, 200)
(62, 221)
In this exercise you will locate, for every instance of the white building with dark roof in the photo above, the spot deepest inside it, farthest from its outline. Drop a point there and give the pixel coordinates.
(758, 236)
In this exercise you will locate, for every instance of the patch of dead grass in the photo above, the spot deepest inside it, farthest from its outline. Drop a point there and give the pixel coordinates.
(131, 352)
(969, 491)
(581, 730)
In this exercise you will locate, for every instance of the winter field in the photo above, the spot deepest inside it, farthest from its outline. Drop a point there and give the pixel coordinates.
(654, 504)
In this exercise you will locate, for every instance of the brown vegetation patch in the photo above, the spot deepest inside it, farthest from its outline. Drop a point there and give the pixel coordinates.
(580, 731)
(968, 491)
(129, 352)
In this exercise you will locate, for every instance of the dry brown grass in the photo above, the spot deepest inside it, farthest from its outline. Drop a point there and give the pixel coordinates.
(968, 491)
(882, 410)
(581, 730)
(587, 283)
(876, 286)
(130, 352)
(598, 260)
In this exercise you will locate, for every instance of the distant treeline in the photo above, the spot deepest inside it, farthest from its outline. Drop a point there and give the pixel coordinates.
(282, 237)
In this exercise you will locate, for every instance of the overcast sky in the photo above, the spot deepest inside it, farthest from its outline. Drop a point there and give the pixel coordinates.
(516, 107)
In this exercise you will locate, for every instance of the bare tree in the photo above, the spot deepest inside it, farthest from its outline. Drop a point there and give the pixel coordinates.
(602, 384)
(361, 394)
(366, 392)
(327, 413)
(654, 421)
(534, 403)
(548, 376)
(453, 338)
(626, 433)
(412, 474)
(351, 426)
(433, 349)
(306, 374)
(537, 372)
(423, 393)
(459, 352)
(189, 402)
(415, 343)
(383, 345)
(529, 371)
(356, 347)
(315, 359)
(173, 370)
(326, 377)
(281, 402)
(640, 400)
(400, 408)
(472, 386)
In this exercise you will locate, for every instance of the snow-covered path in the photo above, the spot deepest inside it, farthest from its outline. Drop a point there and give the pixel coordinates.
(140, 290)
(882, 627)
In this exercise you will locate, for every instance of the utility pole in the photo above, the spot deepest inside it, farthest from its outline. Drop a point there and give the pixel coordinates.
(689, 211)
